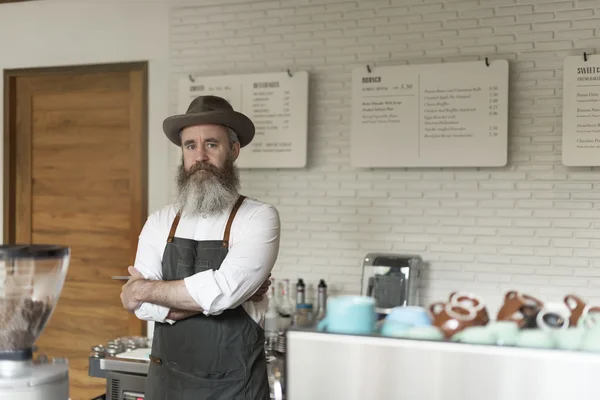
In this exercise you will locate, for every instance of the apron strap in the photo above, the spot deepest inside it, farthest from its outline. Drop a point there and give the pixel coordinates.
(174, 227)
(234, 211)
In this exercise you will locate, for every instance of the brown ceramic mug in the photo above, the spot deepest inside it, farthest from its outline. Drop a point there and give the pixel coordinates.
(514, 305)
(579, 309)
(452, 318)
(473, 301)
(576, 306)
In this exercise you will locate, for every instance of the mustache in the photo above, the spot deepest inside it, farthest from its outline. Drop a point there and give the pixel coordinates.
(202, 166)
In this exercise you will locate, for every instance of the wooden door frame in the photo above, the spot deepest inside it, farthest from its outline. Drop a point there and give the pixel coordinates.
(139, 152)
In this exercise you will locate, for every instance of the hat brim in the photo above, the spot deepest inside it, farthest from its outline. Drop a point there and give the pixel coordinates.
(238, 122)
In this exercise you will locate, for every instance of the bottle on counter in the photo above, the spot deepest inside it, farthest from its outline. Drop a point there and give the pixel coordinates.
(300, 292)
(321, 301)
(286, 306)
(304, 315)
(271, 317)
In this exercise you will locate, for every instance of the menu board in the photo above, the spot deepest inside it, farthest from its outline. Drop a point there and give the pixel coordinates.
(441, 115)
(277, 104)
(581, 111)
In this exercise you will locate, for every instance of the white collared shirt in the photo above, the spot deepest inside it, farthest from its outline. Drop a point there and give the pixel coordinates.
(253, 250)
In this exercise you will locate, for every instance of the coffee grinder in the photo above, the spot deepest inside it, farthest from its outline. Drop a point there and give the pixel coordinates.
(31, 279)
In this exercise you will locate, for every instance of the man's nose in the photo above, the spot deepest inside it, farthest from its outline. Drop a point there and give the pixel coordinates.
(200, 154)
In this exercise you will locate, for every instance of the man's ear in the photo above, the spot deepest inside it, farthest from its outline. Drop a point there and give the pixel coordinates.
(235, 148)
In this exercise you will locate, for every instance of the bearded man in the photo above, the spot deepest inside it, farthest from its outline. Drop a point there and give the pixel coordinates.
(203, 264)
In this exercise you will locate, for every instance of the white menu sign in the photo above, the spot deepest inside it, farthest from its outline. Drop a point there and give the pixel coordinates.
(277, 104)
(441, 115)
(581, 111)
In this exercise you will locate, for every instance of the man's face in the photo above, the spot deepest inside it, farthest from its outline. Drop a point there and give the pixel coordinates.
(207, 144)
(207, 179)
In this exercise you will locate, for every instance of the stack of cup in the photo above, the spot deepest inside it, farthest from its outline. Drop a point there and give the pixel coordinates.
(410, 322)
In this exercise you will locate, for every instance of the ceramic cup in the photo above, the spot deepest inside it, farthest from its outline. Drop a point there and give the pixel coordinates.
(423, 333)
(590, 319)
(349, 314)
(475, 335)
(473, 301)
(591, 339)
(410, 315)
(519, 307)
(394, 329)
(576, 305)
(570, 339)
(506, 333)
(452, 318)
(535, 338)
(553, 316)
(580, 311)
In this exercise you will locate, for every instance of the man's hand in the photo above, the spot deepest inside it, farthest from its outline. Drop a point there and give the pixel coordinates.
(178, 315)
(264, 288)
(130, 289)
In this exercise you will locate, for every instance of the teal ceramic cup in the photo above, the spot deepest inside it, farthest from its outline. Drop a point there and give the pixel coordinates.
(430, 333)
(349, 314)
(505, 332)
(410, 315)
(591, 339)
(536, 338)
(394, 329)
(475, 335)
(570, 339)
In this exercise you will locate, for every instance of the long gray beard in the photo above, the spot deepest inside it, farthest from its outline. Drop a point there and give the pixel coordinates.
(209, 192)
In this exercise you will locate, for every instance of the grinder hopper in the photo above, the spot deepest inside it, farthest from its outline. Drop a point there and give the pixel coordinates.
(31, 279)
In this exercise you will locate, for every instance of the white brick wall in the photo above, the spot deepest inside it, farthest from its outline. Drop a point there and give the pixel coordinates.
(532, 226)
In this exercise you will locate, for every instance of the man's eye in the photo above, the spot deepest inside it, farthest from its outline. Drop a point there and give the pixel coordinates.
(211, 145)
(191, 147)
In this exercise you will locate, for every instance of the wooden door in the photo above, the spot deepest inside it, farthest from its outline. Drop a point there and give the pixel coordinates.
(75, 175)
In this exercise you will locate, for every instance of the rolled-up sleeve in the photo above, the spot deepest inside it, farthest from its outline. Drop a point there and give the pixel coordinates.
(148, 261)
(152, 312)
(248, 263)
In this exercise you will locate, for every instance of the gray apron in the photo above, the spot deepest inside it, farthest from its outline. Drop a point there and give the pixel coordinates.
(217, 357)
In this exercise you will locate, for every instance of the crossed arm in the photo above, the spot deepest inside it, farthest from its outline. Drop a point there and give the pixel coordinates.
(170, 294)
(243, 275)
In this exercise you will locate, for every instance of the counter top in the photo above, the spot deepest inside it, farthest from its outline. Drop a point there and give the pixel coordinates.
(335, 367)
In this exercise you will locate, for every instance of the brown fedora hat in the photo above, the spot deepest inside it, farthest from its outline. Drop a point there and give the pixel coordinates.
(210, 110)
